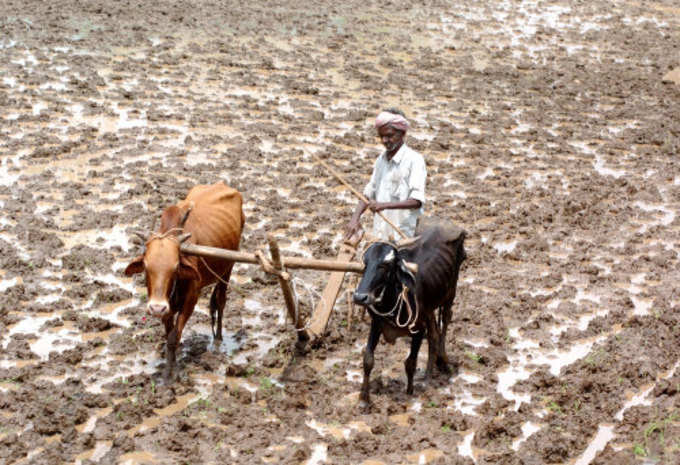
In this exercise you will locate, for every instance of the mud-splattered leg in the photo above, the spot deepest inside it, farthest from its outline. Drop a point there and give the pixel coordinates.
(373, 338)
(432, 345)
(217, 301)
(412, 360)
(176, 333)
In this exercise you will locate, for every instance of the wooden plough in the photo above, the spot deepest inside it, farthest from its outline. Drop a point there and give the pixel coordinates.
(278, 265)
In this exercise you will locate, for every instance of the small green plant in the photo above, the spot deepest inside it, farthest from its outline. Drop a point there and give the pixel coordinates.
(431, 404)
(250, 371)
(473, 356)
(203, 403)
(554, 407)
(639, 451)
(266, 383)
(595, 358)
(659, 426)
(153, 387)
(446, 429)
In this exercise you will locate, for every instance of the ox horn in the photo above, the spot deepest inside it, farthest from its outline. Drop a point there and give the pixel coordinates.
(183, 237)
(140, 235)
(407, 242)
(186, 215)
(412, 267)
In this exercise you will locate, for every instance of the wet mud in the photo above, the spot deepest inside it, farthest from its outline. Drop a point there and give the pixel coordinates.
(550, 130)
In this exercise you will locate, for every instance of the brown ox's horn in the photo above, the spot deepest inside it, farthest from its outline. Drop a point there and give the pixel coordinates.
(186, 215)
(140, 234)
(183, 237)
(412, 267)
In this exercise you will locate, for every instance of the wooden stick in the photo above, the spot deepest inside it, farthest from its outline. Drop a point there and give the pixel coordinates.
(285, 287)
(323, 310)
(361, 196)
(288, 262)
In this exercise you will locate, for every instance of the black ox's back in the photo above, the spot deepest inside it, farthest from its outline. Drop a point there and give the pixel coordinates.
(438, 254)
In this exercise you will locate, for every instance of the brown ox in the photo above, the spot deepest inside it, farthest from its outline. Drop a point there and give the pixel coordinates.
(213, 216)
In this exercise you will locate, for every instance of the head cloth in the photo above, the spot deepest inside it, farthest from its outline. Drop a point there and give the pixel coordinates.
(395, 120)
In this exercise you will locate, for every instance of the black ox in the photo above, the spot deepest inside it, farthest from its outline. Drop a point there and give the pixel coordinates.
(402, 288)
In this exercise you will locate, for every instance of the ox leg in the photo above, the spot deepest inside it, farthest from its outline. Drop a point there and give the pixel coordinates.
(176, 333)
(168, 321)
(217, 301)
(432, 345)
(373, 338)
(412, 360)
(445, 315)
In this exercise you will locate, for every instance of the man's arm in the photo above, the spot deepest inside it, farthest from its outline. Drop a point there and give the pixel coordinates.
(404, 205)
(354, 224)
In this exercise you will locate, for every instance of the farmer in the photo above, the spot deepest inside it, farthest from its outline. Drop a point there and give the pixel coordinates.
(397, 185)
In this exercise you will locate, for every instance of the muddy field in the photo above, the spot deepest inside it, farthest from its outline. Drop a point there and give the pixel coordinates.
(551, 132)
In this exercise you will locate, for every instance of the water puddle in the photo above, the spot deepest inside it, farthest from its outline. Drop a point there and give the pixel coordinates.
(319, 454)
(337, 431)
(138, 457)
(180, 404)
(96, 454)
(528, 429)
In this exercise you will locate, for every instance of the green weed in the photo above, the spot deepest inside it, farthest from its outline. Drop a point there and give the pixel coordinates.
(473, 356)
(266, 383)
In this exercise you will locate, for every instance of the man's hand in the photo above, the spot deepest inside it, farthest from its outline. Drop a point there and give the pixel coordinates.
(376, 206)
(352, 228)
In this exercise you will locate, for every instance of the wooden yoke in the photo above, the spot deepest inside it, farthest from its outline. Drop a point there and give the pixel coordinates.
(323, 310)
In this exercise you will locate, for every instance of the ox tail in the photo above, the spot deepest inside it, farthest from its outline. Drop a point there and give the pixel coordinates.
(213, 312)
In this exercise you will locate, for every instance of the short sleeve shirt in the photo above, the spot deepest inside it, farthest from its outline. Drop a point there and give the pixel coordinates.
(401, 178)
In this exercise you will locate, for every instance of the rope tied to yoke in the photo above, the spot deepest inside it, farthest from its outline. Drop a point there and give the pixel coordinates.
(268, 267)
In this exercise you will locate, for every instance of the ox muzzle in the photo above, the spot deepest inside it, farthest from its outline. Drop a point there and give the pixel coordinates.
(366, 299)
(157, 309)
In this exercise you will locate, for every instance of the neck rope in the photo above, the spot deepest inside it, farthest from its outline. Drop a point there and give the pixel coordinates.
(412, 317)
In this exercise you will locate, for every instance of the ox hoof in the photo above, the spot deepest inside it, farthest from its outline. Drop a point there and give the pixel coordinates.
(169, 378)
(364, 406)
(446, 367)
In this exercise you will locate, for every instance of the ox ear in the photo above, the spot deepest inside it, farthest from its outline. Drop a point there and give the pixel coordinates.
(188, 269)
(135, 266)
(406, 273)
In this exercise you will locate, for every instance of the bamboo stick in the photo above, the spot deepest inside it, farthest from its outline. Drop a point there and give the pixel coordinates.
(288, 262)
(361, 196)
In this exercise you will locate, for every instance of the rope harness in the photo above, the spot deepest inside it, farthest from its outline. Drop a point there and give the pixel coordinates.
(155, 235)
(412, 317)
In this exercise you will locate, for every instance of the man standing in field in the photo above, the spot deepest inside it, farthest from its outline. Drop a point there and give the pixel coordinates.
(397, 185)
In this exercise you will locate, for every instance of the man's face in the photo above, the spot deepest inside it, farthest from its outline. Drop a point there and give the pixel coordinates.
(391, 138)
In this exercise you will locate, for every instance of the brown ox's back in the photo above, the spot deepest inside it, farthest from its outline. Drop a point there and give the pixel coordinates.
(216, 217)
